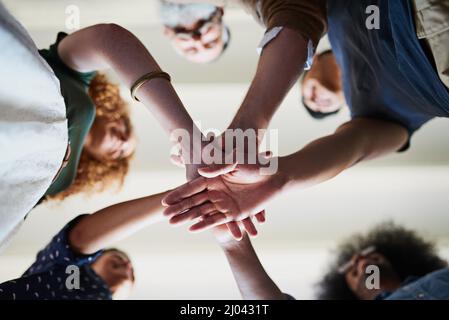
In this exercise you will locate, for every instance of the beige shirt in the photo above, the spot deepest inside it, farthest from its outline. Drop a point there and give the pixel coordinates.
(432, 26)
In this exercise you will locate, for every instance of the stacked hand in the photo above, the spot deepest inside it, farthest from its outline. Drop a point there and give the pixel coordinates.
(230, 194)
(225, 239)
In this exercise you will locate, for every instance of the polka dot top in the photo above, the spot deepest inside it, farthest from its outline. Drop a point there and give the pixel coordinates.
(58, 274)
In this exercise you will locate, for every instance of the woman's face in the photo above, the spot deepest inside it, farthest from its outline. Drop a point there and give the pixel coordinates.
(110, 140)
(115, 268)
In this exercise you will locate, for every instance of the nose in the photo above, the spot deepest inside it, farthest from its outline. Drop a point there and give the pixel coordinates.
(196, 35)
(130, 271)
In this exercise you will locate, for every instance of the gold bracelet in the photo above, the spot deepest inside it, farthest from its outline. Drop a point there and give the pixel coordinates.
(145, 78)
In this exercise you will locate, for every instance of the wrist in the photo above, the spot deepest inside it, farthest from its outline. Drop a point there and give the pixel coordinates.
(192, 153)
(232, 246)
(249, 122)
(282, 178)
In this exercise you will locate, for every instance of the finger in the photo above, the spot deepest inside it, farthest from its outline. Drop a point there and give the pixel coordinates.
(209, 222)
(267, 154)
(249, 227)
(186, 190)
(223, 202)
(187, 204)
(216, 170)
(194, 213)
(206, 202)
(260, 217)
(234, 230)
(176, 150)
(177, 160)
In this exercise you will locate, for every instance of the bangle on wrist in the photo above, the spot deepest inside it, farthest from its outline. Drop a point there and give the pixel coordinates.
(145, 78)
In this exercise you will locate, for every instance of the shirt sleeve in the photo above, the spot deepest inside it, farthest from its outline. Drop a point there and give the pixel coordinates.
(58, 252)
(289, 297)
(273, 33)
(53, 55)
(308, 17)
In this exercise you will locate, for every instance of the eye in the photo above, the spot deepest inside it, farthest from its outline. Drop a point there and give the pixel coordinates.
(115, 262)
(206, 29)
(211, 44)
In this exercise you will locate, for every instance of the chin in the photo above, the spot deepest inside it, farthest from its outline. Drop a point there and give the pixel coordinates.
(123, 292)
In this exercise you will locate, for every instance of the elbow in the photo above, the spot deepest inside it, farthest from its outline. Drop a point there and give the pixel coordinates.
(371, 138)
(353, 137)
(114, 28)
(79, 240)
(111, 31)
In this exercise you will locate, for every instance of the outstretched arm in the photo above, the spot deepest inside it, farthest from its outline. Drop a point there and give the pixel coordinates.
(112, 224)
(355, 141)
(243, 192)
(105, 46)
(253, 281)
(279, 67)
(282, 59)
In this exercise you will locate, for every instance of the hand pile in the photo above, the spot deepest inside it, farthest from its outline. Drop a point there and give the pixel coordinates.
(230, 194)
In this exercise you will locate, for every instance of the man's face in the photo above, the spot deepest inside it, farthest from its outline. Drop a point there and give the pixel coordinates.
(321, 88)
(356, 275)
(200, 41)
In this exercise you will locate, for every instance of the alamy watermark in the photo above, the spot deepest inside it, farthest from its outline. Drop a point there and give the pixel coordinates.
(372, 281)
(233, 145)
(372, 22)
(72, 282)
(72, 20)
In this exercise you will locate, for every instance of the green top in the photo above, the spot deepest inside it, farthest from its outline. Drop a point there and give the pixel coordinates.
(80, 111)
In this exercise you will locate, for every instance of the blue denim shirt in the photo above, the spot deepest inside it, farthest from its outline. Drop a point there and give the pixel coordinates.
(386, 73)
(434, 286)
(46, 278)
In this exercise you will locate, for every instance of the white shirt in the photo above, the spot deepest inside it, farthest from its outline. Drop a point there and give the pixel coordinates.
(33, 125)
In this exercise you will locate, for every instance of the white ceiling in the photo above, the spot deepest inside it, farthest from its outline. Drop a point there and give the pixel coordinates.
(410, 188)
(210, 92)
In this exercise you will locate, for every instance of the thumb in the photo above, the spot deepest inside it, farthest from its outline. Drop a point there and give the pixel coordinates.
(266, 154)
(177, 160)
(216, 170)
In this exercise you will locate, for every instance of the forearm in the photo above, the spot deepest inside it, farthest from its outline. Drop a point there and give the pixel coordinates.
(129, 58)
(253, 281)
(112, 224)
(111, 46)
(279, 67)
(355, 141)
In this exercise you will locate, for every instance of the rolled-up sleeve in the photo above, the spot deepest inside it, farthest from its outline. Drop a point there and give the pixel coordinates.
(308, 17)
(59, 252)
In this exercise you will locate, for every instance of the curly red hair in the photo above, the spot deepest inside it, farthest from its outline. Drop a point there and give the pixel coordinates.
(94, 175)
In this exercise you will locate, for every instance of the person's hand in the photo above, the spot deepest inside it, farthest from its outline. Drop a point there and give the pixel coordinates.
(229, 194)
(192, 171)
(225, 238)
(177, 158)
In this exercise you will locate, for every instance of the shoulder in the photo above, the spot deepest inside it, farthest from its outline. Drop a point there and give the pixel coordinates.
(307, 17)
(59, 252)
(61, 70)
